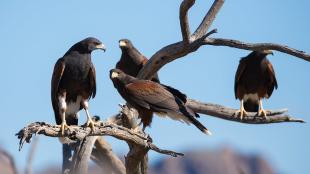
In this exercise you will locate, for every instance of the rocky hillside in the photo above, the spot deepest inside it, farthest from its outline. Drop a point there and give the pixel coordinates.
(223, 161)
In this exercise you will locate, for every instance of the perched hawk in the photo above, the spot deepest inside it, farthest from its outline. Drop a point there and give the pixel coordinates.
(147, 97)
(74, 83)
(132, 61)
(255, 79)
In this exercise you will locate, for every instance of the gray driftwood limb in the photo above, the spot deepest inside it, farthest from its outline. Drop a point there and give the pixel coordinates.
(82, 155)
(184, 24)
(207, 20)
(257, 46)
(103, 155)
(226, 113)
(136, 159)
(77, 132)
(200, 37)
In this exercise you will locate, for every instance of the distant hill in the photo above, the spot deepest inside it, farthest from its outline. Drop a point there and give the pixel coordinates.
(7, 165)
(220, 161)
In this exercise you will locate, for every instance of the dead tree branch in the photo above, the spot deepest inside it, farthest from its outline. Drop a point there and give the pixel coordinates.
(256, 46)
(185, 29)
(80, 133)
(136, 161)
(180, 49)
(199, 38)
(229, 114)
(82, 155)
(103, 155)
(208, 19)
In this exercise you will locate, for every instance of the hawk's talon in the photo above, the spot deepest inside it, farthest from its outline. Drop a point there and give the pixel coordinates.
(242, 113)
(63, 126)
(90, 123)
(262, 113)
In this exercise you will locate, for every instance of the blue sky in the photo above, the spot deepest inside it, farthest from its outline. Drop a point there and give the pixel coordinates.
(34, 34)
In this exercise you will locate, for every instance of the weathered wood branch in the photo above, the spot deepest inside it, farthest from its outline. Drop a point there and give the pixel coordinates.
(180, 49)
(185, 29)
(80, 133)
(208, 19)
(136, 161)
(103, 155)
(82, 155)
(226, 113)
(256, 46)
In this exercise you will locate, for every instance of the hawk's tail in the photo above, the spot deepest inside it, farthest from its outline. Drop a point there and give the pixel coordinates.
(190, 114)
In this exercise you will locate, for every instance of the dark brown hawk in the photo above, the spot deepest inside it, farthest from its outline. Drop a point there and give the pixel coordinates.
(132, 61)
(147, 97)
(74, 83)
(255, 79)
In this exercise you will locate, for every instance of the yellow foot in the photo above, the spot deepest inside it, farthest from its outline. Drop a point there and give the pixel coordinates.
(262, 112)
(90, 123)
(63, 126)
(242, 113)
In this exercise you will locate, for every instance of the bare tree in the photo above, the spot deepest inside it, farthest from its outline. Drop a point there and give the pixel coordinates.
(120, 126)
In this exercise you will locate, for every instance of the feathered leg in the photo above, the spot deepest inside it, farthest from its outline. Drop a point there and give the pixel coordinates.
(62, 109)
(241, 111)
(261, 111)
(90, 123)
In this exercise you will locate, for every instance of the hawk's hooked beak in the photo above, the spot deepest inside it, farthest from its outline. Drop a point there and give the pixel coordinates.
(101, 46)
(114, 75)
(122, 44)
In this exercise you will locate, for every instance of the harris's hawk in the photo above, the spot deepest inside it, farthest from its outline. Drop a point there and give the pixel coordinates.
(74, 83)
(132, 61)
(254, 80)
(147, 97)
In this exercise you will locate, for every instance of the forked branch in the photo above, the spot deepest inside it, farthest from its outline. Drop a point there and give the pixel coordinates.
(80, 133)
(103, 155)
(208, 19)
(199, 38)
(180, 49)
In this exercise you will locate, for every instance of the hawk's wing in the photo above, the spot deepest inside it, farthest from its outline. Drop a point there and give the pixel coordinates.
(151, 95)
(239, 73)
(92, 78)
(176, 93)
(272, 79)
(56, 78)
